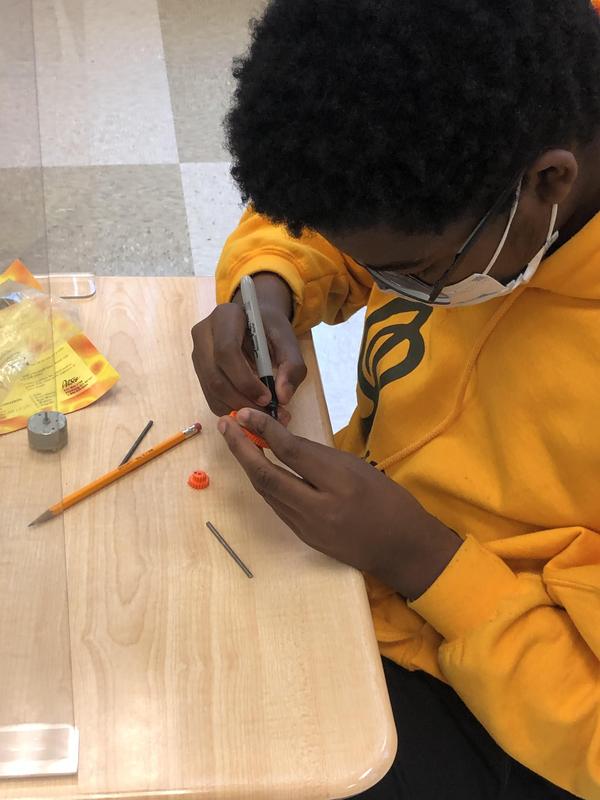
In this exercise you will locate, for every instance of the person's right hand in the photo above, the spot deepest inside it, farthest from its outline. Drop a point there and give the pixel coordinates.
(223, 358)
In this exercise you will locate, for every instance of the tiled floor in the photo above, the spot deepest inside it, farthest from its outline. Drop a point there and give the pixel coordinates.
(200, 39)
(111, 149)
(213, 209)
(102, 84)
(117, 220)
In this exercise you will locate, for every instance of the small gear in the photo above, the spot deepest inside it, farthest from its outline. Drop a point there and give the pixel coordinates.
(198, 480)
(257, 440)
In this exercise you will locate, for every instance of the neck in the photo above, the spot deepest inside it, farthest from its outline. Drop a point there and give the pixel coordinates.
(585, 196)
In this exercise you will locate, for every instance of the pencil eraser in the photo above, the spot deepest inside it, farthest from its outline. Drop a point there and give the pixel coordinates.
(198, 426)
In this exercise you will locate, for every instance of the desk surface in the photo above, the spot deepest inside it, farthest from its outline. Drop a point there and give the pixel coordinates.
(188, 678)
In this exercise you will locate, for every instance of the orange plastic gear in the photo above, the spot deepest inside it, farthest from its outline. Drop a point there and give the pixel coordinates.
(257, 440)
(198, 480)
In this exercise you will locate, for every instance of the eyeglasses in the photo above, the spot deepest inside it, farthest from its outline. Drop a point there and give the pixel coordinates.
(414, 289)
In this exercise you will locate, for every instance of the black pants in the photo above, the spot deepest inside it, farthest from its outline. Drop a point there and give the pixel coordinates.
(444, 753)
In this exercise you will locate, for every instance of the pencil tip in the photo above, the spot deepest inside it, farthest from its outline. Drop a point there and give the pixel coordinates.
(42, 518)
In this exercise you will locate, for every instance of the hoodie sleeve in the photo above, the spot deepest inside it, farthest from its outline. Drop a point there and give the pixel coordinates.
(327, 285)
(522, 647)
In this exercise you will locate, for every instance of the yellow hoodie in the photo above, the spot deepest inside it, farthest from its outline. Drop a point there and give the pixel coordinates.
(490, 416)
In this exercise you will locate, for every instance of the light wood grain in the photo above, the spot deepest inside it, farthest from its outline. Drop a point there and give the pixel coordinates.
(35, 669)
(189, 679)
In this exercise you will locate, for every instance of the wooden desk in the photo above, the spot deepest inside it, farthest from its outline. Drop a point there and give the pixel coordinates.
(188, 678)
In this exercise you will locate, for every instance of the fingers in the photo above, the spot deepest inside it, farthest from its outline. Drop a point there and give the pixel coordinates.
(287, 357)
(283, 416)
(311, 460)
(269, 480)
(220, 393)
(226, 378)
(229, 358)
(229, 331)
(285, 514)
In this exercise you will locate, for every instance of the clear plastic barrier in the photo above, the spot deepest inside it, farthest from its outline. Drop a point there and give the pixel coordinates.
(112, 165)
(69, 285)
(37, 729)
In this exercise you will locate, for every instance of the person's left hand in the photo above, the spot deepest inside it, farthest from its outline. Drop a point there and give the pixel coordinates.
(343, 506)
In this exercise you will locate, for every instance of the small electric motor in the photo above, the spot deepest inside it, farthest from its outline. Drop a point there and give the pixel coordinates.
(47, 431)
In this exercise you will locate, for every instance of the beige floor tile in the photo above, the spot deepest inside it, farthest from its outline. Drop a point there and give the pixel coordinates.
(213, 207)
(200, 40)
(19, 135)
(16, 37)
(118, 220)
(103, 91)
(22, 230)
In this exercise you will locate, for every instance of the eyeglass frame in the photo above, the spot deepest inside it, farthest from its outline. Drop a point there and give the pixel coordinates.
(471, 239)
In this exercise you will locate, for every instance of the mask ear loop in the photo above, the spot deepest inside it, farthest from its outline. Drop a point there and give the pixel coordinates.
(513, 211)
(552, 234)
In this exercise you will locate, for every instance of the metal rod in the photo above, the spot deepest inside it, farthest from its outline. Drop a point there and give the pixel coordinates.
(229, 549)
(137, 443)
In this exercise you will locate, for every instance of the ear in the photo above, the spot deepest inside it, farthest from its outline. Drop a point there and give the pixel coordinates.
(551, 177)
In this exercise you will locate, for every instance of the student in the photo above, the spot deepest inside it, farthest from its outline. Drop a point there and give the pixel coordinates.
(438, 162)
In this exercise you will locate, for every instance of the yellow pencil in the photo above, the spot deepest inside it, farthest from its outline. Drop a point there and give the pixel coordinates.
(115, 474)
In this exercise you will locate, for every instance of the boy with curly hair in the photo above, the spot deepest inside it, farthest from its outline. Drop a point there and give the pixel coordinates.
(438, 162)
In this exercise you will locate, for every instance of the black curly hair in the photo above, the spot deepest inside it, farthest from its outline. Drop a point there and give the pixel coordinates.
(410, 113)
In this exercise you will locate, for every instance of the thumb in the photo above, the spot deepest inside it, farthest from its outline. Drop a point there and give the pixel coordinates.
(287, 357)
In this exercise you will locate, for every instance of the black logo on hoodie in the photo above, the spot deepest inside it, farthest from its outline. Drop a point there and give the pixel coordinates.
(370, 380)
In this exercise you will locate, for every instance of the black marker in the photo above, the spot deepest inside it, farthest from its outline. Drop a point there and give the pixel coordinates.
(259, 340)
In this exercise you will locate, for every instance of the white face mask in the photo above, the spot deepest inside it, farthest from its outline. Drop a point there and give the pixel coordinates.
(480, 286)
